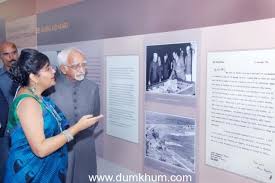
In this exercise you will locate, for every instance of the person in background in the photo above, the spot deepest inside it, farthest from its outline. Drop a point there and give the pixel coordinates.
(166, 67)
(153, 70)
(178, 71)
(160, 70)
(8, 55)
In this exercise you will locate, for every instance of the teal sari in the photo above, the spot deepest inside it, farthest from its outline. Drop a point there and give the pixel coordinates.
(23, 165)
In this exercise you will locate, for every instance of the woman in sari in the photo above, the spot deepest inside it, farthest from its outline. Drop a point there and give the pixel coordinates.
(37, 127)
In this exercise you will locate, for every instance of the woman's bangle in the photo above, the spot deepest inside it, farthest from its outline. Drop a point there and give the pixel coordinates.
(68, 135)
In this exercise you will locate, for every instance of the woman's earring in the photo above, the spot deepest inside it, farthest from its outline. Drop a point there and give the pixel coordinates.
(33, 88)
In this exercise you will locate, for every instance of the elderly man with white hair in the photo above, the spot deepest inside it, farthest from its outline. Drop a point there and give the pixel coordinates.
(77, 96)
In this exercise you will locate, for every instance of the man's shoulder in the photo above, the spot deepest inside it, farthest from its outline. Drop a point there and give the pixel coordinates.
(60, 87)
(3, 77)
(60, 80)
(89, 83)
(2, 71)
(88, 86)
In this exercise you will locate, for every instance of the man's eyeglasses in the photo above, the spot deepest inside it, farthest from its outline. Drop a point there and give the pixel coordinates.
(77, 66)
(13, 53)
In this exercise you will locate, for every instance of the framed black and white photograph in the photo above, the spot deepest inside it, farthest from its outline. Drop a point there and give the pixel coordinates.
(171, 69)
(169, 142)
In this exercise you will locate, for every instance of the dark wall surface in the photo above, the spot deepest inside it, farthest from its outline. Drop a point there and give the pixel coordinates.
(98, 19)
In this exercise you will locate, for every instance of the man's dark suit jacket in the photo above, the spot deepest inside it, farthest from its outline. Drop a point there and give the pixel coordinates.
(4, 113)
(4, 140)
(7, 91)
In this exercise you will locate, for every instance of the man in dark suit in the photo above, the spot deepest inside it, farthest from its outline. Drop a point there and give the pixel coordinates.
(8, 54)
(77, 96)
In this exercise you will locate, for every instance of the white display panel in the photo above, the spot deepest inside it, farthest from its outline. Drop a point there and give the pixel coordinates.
(240, 112)
(122, 87)
(52, 55)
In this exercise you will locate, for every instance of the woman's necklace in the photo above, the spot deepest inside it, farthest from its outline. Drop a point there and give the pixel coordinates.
(49, 108)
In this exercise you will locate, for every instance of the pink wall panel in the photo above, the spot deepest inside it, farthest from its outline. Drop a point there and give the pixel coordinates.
(13, 9)
(42, 5)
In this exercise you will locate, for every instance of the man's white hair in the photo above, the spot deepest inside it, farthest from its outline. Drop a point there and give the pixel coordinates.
(62, 56)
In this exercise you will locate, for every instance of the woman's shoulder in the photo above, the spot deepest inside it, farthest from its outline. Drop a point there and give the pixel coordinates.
(23, 101)
(25, 98)
(21, 97)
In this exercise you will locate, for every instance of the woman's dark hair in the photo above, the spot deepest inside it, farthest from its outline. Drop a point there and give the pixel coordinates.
(29, 61)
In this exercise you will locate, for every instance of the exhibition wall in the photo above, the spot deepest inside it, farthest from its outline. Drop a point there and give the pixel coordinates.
(14, 9)
(43, 6)
(106, 19)
(2, 29)
(22, 31)
(241, 36)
